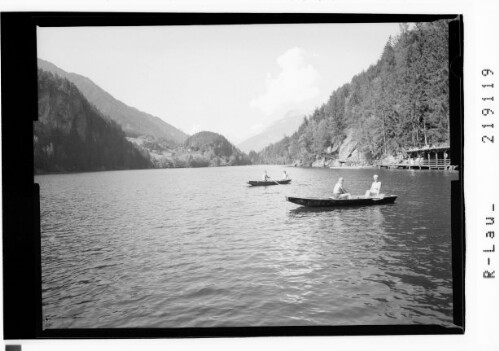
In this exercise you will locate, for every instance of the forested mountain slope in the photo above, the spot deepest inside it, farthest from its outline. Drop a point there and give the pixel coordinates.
(134, 122)
(400, 102)
(203, 149)
(72, 135)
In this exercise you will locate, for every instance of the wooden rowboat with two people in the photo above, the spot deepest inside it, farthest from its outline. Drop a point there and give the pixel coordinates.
(353, 201)
(268, 182)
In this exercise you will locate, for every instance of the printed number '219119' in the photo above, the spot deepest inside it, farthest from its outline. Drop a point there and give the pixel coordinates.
(487, 111)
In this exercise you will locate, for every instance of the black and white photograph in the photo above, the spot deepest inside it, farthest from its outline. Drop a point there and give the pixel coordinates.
(278, 175)
(252, 175)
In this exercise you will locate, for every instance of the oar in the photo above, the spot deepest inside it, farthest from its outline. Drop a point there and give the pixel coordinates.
(275, 181)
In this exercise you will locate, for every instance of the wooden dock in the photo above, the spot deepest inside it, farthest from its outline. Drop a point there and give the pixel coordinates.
(434, 164)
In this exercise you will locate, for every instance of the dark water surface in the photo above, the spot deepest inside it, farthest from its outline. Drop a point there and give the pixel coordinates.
(199, 248)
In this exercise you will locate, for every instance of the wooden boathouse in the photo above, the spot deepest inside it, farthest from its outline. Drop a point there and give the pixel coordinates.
(428, 157)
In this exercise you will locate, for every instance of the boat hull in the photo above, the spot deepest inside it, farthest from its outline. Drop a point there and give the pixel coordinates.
(328, 202)
(267, 183)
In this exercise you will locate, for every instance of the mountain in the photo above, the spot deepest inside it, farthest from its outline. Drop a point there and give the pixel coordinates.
(398, 103)
(275, 132)
(134, 123)
(203, 149)
(212, 149)
(71, 135)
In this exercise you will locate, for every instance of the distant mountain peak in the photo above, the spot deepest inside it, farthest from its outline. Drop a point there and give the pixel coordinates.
(285, 126)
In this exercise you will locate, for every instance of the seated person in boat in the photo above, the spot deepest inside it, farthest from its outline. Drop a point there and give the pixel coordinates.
(265, 176)
(284, 175)
(375, 187)
(339, 191)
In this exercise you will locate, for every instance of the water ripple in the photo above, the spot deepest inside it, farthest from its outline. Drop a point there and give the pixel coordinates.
(198, 248)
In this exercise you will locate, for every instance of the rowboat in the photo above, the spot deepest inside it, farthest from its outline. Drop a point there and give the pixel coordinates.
(354, 201)
(265, 183)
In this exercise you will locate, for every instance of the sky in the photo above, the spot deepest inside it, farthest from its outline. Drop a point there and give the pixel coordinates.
(233, 80)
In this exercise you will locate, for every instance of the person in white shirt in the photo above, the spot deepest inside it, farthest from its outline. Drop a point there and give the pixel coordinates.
(340, 192)
(375, 187)
(284, 175)
(265, 176)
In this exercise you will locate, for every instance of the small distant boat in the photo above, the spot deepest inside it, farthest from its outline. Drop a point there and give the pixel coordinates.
(354, 201)
(266, 183)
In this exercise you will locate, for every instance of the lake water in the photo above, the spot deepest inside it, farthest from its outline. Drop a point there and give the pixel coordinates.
(200, 248)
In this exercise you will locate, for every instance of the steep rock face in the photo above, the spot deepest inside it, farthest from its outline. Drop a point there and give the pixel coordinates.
(345, 153)
(134, 122)
(349, 150)
(72, 135)
(60, 106)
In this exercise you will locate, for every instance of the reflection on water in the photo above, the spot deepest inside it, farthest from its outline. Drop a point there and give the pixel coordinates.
(302, 210)
(199, 248)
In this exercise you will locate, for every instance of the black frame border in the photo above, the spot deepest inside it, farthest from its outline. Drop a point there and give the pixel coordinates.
(21, 208)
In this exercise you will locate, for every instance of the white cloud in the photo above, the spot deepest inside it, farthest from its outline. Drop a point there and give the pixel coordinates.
(294, 86)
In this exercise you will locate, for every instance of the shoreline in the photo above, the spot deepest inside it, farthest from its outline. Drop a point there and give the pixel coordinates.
(352, 167)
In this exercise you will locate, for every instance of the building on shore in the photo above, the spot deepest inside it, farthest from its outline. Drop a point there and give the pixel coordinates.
(427, 157)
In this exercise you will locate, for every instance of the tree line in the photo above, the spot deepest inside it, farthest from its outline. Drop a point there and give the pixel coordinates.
(400, 102)
(203, 149)
(71, 135)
